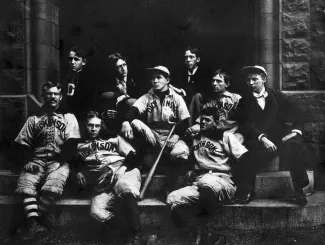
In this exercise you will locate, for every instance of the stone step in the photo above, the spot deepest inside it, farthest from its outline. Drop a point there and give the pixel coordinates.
(267, 185)
(258, 214)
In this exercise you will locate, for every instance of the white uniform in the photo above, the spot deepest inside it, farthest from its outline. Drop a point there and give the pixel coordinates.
(157, 117)
(46, 139)
(45, 134)
(100, 159)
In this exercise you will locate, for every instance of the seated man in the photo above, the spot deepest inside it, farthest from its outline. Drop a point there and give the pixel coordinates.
(226, 103)
(158, 108)
(108, 168)
(49, 140)
(210, 181)
(268, 135)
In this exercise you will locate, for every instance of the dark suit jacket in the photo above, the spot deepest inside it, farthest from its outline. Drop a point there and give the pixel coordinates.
(272, 121)
(85, 94)
(198, 84)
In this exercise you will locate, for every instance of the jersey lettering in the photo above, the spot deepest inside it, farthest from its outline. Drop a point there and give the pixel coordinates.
(57, 123)
(151, 106)
(206, 144)
(100, 146)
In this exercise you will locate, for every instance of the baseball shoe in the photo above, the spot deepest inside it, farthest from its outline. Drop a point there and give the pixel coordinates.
(242, 198)
(34, 229)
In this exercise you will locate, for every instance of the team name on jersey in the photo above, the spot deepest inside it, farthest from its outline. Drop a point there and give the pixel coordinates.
(44, 123)
(206, 144)
(100, 146)
(166, 103)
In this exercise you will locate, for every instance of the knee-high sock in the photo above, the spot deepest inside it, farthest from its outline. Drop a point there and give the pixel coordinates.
(30, 206)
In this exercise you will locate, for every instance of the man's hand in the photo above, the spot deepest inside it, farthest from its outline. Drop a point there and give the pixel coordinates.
(118, 173)
(268, 144)
(192, 131)
(81, 179)
(31, 168)
(172, 141)
(126, 130)
(289, 136)
(109, 114)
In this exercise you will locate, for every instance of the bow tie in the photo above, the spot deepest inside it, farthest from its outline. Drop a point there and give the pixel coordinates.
(257, 96)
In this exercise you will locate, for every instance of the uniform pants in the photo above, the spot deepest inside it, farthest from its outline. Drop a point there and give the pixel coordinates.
(156, 138)
(119, 204)
(196, 203)
(50, 179)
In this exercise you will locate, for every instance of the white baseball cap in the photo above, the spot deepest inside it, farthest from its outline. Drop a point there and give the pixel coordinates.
(160, 68)
(247, 69)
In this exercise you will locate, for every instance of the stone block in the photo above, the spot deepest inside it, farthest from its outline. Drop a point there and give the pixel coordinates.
(313, 105)
(317, 6)
(295, 5)
(311, 132)
(295, 76)
(322, 132)
(12, 81)
(295, 25)
(296, 50)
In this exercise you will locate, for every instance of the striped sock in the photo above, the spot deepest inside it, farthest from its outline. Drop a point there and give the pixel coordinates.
(30, 207)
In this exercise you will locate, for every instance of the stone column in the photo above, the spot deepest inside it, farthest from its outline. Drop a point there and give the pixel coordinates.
(42, 44)
(269, 40)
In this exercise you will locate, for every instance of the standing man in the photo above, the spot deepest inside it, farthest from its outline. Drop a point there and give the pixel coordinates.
(157, 109)
(120, 92)
(267, 134)
(192, 81)
(82, 87)
(49, 140)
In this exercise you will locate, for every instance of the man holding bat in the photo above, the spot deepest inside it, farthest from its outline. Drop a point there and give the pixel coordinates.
(159, 110)
(211, 182)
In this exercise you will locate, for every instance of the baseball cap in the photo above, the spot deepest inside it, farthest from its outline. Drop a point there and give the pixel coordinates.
(160, 68)
(247, 69)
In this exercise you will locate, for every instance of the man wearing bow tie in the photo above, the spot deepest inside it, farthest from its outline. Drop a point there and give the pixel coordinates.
(268, 135)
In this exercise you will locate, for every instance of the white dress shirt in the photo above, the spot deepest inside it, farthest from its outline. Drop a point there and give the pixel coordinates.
(191, 74)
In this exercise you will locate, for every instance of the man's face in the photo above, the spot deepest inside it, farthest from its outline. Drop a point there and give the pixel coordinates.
(218, 84)
(159, 82)
(121, 68)
(52, 97)
(76, 63)
(191, 60)
(207, 123)
(93, 127)
(255, 82)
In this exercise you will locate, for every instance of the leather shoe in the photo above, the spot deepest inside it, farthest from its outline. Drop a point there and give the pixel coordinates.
(243, 198)
(301, 200)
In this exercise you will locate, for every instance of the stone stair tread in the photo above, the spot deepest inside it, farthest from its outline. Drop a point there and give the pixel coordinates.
(317, 198)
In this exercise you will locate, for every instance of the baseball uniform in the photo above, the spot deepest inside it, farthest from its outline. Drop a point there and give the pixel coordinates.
(100, 159)
(45, 134)
(158, 116)
(211, 182)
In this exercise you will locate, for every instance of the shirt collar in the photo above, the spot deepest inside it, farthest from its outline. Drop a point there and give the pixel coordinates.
(118, 80)
(171, 92)
(263, 93)
(194, 70)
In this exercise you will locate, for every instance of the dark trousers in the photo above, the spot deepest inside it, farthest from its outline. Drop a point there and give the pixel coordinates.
(292, 157)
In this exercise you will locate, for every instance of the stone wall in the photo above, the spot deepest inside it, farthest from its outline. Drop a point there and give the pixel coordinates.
(303, 45)
(303, 70)
(12, 76)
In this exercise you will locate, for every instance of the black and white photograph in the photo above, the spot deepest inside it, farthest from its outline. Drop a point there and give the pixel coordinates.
(162, 122)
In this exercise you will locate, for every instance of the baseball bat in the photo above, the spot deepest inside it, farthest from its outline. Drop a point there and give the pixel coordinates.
(154, 166)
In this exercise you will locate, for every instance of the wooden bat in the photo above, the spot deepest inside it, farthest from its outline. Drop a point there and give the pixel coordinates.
(154, 166)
